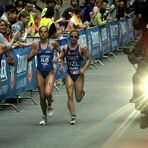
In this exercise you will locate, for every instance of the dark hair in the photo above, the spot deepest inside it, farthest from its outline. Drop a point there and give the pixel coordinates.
(29, 1)
(77, 10)
(10, 8)
(23, 14)
(50, 12)
(51, 1)
(17, 1)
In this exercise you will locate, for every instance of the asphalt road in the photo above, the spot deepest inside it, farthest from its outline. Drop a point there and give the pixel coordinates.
(105, 119)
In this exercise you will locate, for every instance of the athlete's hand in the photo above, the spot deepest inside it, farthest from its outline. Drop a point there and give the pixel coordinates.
(82, 71)
(62, 68)
(55, 60)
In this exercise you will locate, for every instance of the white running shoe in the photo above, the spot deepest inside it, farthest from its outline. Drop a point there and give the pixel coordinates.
(43, 121)
(73, 120)
(50, 111)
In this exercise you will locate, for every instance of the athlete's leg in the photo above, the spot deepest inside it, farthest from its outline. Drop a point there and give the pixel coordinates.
(79, 84)
(70, 93)
(49, 87)
(41, 87)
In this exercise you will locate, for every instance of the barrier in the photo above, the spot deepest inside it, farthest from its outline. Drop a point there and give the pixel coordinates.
(18, 78)
(113, 35)
(131, 34)
(123, 32)
(99, 40)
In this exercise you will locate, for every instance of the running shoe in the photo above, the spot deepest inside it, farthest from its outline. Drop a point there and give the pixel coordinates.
(73, 120)
(50, 111)
(43, 121)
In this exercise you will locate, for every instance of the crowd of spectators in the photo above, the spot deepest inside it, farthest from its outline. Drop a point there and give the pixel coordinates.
(26, 17)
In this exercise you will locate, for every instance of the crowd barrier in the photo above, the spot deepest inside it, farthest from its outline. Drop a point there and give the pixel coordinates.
(18, 78)
(99, 40)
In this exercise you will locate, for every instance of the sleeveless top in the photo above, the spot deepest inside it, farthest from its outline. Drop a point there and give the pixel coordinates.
(74, 60)
(44, 59)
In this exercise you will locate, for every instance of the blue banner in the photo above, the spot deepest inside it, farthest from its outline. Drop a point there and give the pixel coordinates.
(94, 35)
(113, 29)
(83, 38)
(123, 32)
(131, 36)
(18, 78)
(105, 40)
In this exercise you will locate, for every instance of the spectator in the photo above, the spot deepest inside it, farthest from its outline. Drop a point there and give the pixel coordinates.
(113, 10)
(67, 14)
(52, 3)
(19, 6)
(22, 26)
(10, 14)
(121, 11)
(88, 11)
(100, 18)
(94, 18)
(4, 38)
(75, 21)
(48, 21)
(29, 8)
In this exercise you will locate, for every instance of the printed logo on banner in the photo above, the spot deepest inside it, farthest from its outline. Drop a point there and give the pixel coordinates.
(83, 40)
(21, 71)
(3, 73)
(3, 70)
(89, 41)
(113, 30)
(22, 64)
(95, 37)
(104, 34)
(30, 71)
(123, 27)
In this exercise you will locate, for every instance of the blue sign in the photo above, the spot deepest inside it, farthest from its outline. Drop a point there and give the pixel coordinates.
(123, 32)
(18, 78)
(113, 29)
(94, 34)
(105, 40)
(83, 39)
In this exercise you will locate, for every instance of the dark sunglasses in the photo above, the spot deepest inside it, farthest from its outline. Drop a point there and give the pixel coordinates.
(76, 37)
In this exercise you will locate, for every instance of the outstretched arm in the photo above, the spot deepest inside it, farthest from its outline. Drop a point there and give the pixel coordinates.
(33, 52)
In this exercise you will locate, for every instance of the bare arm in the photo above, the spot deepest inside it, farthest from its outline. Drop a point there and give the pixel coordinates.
(27, 31)
(61, 54)
(84, 51)
(33, 52)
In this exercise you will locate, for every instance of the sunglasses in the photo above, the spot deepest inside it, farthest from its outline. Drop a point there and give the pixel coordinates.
(76, 37)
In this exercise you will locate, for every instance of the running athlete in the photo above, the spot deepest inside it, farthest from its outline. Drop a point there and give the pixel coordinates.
(44, 50)
(74, 54)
